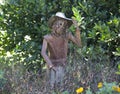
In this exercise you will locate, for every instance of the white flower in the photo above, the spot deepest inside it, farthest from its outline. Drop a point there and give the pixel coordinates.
(27, 38)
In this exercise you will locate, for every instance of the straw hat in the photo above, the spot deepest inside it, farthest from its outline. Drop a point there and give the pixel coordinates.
(59, 15)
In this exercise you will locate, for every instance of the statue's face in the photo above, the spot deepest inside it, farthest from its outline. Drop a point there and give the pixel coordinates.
(60, 26)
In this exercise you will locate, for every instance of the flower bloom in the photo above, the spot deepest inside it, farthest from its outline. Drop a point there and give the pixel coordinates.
(79, 90)
(116, 88)
(100, 84)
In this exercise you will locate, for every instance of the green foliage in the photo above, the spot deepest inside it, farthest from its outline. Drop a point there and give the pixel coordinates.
(117, 53)
(88, 91)
(22, 30)
(3, 80)
(77, 16)
(106, 89)
(23, 24)
(100, 26)
(65, 92)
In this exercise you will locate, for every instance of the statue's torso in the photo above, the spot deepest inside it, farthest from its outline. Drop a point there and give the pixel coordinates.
(57, 48)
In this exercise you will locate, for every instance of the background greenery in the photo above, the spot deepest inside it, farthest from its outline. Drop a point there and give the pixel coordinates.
(23, 23)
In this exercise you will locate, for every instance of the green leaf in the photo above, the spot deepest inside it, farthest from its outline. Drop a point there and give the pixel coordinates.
(65, 92)
(77, 16)
(118, 72)
(88, 91)
(31, 1)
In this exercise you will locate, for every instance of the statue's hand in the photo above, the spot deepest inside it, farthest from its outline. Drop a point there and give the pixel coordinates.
(75, 23)
(52, 67)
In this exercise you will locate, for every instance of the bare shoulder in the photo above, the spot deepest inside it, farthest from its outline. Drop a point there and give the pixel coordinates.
(69, 34)
(47, 37)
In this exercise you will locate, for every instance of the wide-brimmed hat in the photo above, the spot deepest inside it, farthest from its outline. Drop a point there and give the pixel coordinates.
(59, 15)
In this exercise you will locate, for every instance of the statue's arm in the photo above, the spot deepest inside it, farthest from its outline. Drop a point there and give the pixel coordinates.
(44, 54)
(77, 38)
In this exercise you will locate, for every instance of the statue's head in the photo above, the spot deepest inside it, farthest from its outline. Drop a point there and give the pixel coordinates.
(59, 23)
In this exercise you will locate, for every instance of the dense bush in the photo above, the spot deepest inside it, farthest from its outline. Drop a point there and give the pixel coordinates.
(23, 23)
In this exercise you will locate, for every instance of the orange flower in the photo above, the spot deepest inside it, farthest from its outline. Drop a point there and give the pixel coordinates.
(100, 84)
(79, 90)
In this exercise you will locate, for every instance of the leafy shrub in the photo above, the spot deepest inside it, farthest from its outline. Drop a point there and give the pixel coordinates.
(3, 80)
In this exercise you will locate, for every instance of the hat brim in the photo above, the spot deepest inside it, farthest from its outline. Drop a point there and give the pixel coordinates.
(53, 19)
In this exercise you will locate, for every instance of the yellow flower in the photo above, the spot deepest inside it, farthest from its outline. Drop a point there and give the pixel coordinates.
(100, 84)
(79, 90)
(118, 89)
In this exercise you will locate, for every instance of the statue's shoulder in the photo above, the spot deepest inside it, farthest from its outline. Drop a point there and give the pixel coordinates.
(68, 34)
(48, 37)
